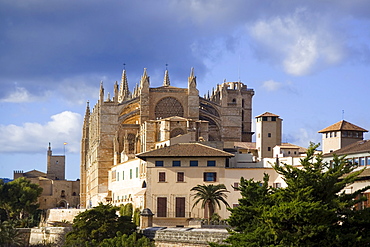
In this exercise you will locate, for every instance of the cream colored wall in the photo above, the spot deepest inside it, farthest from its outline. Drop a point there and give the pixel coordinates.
(330, 143)
(172, 189)
(128, 190)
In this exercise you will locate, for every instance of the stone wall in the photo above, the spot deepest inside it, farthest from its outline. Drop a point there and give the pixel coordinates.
(44, 235)
(171, 237)
(61, 215)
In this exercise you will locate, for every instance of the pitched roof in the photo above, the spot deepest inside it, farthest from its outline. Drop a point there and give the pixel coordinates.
(357, 147)
(289, 145)
(268, 114)
(246, 145)
(185, 150)
(342, 125)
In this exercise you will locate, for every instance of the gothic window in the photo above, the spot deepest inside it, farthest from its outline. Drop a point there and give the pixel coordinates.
(168, 107)
(177, 132)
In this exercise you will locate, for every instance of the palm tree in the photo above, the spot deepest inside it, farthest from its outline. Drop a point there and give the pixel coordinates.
(209, 196)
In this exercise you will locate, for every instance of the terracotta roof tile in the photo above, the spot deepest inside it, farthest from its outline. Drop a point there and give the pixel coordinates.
(267, 114)
(342, 125)
(185, 150)
(289, 145)
(246, 145)
(357, 147)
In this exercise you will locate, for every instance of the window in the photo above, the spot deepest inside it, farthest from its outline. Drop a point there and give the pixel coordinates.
(268, 134)
(211, 163)
(268, 148)
(368, 161)
(117, 176)
(362, 161)
(277, 185)
(236, 186)
(344, 134)
(162, 207)
(180, 177)
(209, 176)
(235, 205)
(63, 194)
(180, 206)
(193, 163)
(114, 175)
(159, 163)
(273, 119)
(137, 172)
(161, 177)
(264, 118)
(355, 161)
(123, 175)
(176, 163)
(130, 173)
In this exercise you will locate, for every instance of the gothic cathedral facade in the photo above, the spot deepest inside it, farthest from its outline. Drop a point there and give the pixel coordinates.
(118, 128)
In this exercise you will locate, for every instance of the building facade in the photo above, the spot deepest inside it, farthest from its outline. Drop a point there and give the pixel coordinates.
(57, 192)
(128, 123)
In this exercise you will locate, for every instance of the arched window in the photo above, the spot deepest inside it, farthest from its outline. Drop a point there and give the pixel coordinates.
(168, 107)
(144, 184)
(63, 194)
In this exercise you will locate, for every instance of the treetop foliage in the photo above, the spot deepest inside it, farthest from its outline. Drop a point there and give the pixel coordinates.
(99, 223)
(313, 210)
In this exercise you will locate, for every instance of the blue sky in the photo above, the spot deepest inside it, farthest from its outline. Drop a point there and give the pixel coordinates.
(308, 61)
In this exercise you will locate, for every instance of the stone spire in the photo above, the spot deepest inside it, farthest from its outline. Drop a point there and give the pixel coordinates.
(144, 80)
(192, 80)
(87, 113)
(123, 89)
(166, 80)
(115, 92)
(101, 93)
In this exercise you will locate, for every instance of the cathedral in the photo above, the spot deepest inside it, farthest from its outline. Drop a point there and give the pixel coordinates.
(120, 127)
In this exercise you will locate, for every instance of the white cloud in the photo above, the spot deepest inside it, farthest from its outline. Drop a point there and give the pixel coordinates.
(79, 89)
(303, 137)
(271, 85)
(20, 95)
(297, 43)
(34, 137)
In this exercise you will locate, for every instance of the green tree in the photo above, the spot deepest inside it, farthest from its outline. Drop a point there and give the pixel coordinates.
(312, 210)
(9, 235)
(126, 210)
(19, 199)
(209, 196)
(93, 226)
(136, 217)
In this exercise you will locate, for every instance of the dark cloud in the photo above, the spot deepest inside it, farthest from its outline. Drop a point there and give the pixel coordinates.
(42, 43)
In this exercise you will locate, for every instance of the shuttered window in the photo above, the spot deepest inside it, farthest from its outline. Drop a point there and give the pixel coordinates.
(180, 206)
(162, 207)
(161, 177)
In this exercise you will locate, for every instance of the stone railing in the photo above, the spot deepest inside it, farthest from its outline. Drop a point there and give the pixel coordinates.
(168, 237)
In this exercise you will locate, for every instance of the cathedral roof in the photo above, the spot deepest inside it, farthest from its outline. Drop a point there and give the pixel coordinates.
(185, 150)
(342, 125)
(268, 114)
(357, 147)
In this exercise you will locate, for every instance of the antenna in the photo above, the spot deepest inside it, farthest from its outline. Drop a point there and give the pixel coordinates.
(342, 114)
